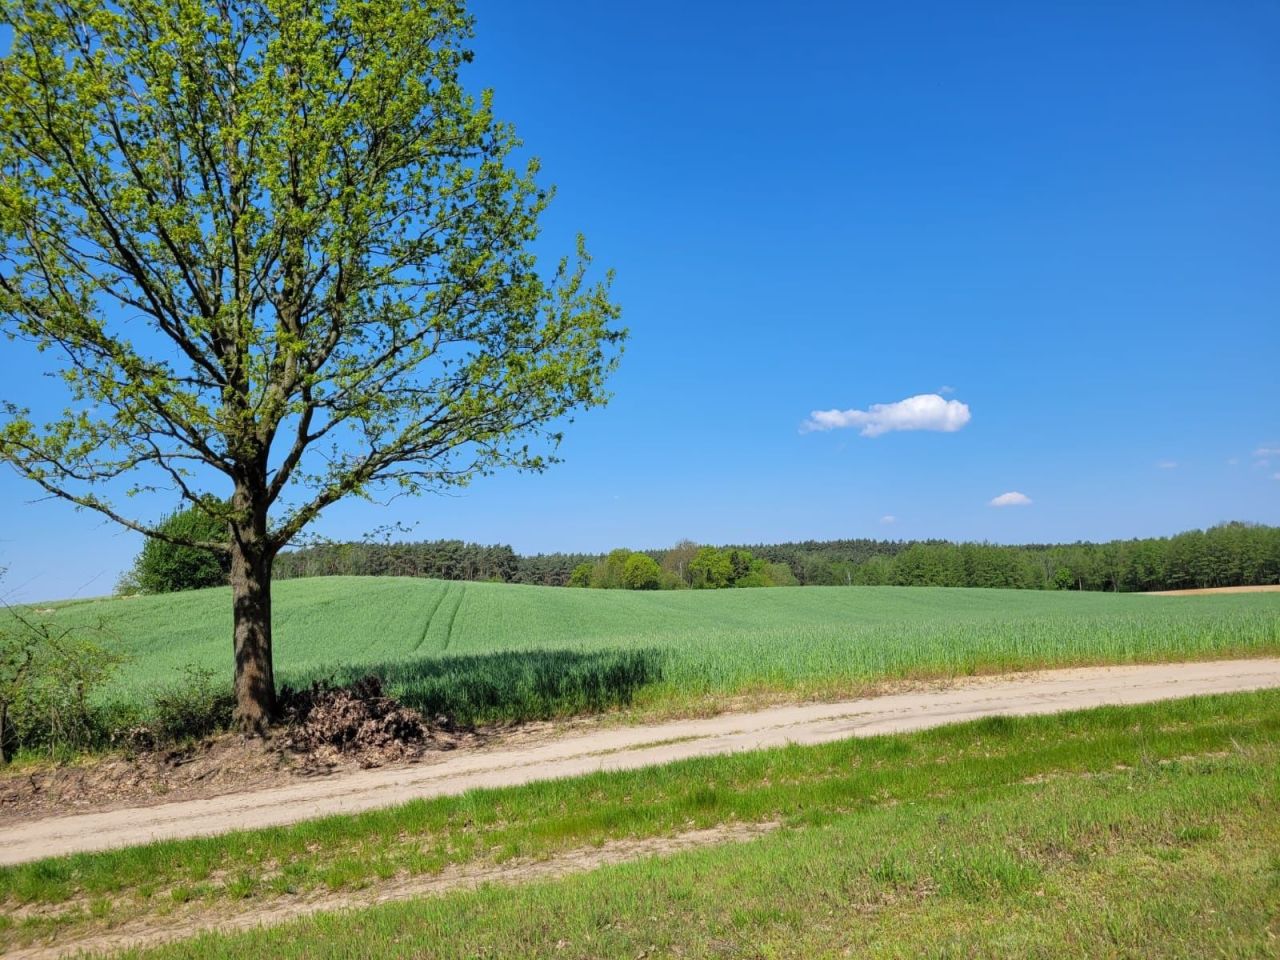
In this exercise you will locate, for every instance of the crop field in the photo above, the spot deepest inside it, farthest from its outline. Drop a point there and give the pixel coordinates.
(482, 652)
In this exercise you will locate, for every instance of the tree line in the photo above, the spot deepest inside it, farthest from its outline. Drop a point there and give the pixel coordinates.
(1231, 554)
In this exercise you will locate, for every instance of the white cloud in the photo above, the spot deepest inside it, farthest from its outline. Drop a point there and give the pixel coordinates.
(1231, 462)
(1264, 452)
(1168, 464)
(888, 518)
(927, 411)
(1011, 499)
(946, 389)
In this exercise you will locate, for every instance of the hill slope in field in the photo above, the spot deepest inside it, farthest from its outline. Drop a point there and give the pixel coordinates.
(504, 651)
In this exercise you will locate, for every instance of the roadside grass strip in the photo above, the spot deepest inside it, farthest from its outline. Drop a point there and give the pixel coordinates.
(1088, 830)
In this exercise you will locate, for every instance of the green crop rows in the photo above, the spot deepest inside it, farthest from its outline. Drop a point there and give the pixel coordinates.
(481, 651)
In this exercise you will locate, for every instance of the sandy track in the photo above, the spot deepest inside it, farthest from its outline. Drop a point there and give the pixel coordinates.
(630, 747)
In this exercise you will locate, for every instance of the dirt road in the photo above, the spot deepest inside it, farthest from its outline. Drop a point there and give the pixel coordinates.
(629, 747)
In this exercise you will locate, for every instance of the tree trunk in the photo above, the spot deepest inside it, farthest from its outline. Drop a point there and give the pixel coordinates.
(255, 686)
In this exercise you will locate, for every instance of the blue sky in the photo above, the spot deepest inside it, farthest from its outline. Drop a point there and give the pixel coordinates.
(1068, 214)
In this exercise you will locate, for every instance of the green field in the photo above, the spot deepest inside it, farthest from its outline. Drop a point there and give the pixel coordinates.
(481, 651)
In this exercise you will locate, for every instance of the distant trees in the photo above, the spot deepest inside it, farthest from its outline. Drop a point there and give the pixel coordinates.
(1232, 554)
(437, 559)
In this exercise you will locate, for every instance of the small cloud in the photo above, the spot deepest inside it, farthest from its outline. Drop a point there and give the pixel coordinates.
(927, 411)
(1232, 461)
(1275, 476)
(1265, 451)
(1011, 499)
(944, 389)
(1168, 464)
(888, 518)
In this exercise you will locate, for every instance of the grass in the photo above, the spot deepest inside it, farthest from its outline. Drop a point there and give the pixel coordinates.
(1141, 831)
(497, 652)
(1004, 877)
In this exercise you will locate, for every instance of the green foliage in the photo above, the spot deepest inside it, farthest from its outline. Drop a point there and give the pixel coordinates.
(195, 706)
(780, 575)
(641, 572)
(164, 566)
(436, 559)
(607, 574)
(50, 676)
(1229, 555)
(710, 569)
(353, 258)
(278, 248)
(714, 569)
(581, 576)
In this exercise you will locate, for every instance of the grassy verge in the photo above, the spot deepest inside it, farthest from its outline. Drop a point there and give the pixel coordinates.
(1178, 862)
(997, 819)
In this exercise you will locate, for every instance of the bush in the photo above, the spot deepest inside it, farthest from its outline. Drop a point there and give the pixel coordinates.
(581, 576)
(163, 567)
(195, 707)
(48, 676)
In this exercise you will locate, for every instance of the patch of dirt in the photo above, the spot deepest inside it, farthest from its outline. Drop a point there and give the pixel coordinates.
(227, 918)
(223, 764)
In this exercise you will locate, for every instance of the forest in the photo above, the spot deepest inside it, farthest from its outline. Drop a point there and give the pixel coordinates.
(1230, 554)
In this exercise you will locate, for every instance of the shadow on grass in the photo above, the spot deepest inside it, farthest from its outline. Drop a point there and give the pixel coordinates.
(510, 686)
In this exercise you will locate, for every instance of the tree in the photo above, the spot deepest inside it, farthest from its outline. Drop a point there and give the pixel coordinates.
(607, 574)
(710, 569)
(676, 560)
(165, 566)
(283, 258)
(641, 572)
(581, 575)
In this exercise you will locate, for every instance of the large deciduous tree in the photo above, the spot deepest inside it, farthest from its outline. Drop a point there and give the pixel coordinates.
(282, 257)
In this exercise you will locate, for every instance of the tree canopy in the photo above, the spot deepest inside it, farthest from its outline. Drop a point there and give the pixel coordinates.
(282, 256)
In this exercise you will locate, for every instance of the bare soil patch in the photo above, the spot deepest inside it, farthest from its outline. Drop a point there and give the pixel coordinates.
(197, 918)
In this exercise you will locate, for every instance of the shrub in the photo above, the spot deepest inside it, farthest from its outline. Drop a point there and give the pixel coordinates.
(196, 706)
(48, 676)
